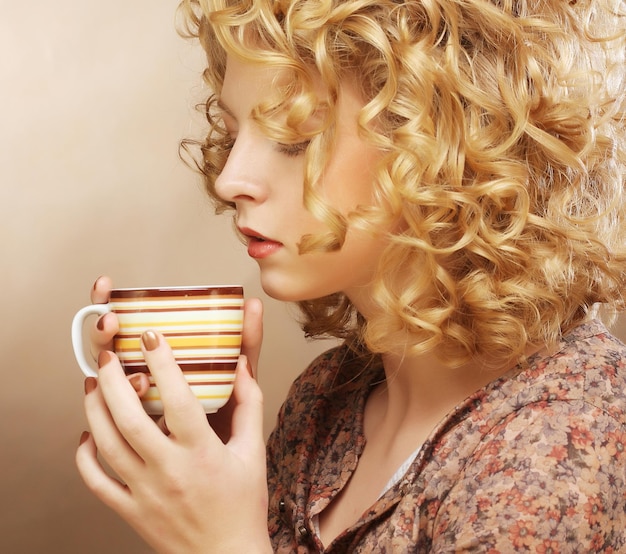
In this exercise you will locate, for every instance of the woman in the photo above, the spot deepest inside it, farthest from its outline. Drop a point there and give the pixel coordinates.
(441, 185)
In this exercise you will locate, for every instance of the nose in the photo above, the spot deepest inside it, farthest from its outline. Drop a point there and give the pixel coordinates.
(242, 178)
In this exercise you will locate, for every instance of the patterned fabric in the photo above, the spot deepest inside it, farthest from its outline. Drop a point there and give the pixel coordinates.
(534, 462)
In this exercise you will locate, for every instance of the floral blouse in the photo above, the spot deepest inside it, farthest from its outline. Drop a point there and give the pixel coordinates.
(534, 462)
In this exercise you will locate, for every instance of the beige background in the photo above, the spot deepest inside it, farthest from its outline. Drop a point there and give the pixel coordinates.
(94, 98)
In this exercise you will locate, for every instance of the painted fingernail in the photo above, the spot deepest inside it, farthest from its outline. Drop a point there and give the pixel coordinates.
(95, 283)
(162, 424)
(135, 381)
(100, 323)
(90, 384)
(104, 358)
(150, 340)
(83, 437)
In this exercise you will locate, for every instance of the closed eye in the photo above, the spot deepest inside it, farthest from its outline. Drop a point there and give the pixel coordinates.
(294, 149)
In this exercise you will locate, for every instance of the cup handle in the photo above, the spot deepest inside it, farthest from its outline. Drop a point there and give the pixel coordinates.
(78, 323)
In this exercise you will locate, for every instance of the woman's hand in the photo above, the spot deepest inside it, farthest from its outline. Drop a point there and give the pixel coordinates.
(191, 490)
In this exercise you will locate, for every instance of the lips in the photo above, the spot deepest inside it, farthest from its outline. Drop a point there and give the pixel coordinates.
(259, 246)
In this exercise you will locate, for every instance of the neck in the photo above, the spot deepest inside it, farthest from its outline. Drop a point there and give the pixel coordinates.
(418, 393)
(425, 385)
(420, 390)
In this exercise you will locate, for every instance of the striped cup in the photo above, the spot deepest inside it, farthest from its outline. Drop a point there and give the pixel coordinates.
(201, 324)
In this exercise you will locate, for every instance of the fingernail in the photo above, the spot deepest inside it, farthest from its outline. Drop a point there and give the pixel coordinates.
(247, 365)
(249, 368)
(95, 283)
(104, 358)
(83, 437)
(90, 384)
(100, 323)
(135, 381)
(162, 424)
(150, 340)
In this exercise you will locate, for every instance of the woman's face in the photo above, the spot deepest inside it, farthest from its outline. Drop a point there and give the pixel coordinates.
(264, 180)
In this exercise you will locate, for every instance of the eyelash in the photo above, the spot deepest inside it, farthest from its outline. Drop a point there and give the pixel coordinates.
(293, 150)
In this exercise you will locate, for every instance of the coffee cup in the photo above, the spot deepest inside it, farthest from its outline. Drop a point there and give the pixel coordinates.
(202, 325)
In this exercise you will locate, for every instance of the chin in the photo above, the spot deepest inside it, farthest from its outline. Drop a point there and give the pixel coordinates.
(284, 295)
(285, 292)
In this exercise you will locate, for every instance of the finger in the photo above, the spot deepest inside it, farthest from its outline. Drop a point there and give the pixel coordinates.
(109, 490)
(247, 424)
(101, 334)
(185, 416)
(101, 290)
(134, 437)
(252, 337)
(114, 449)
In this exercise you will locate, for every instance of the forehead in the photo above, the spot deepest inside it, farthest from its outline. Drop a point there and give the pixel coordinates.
(271, 82)
(247, 78)
(273, 93)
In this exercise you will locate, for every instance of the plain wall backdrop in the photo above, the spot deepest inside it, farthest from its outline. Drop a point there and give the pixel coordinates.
(94, 99)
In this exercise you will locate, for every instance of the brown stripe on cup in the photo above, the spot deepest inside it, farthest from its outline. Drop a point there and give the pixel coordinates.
(235, 292)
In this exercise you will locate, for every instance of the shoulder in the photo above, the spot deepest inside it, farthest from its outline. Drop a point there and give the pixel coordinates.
(604, 367)
(568, 404)
(589, 366)
(552, 473)
(548, 460)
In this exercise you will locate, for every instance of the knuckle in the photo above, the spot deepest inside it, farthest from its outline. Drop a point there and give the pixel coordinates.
(109, 450)
(257, 395)
(177, 401)
(96, 485)
(132, 425)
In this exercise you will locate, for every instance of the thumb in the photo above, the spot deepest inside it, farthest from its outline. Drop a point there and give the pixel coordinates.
(252, 335)
(247, 421)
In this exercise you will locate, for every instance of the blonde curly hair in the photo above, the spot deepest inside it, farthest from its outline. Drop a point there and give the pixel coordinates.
(502, 124)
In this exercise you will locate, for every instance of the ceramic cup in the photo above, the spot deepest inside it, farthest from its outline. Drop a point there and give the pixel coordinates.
(202, 325)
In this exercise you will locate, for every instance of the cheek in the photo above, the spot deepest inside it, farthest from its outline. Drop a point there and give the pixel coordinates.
(350, 177)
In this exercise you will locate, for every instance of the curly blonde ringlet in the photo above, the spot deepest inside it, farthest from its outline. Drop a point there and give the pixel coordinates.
(503, 131)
